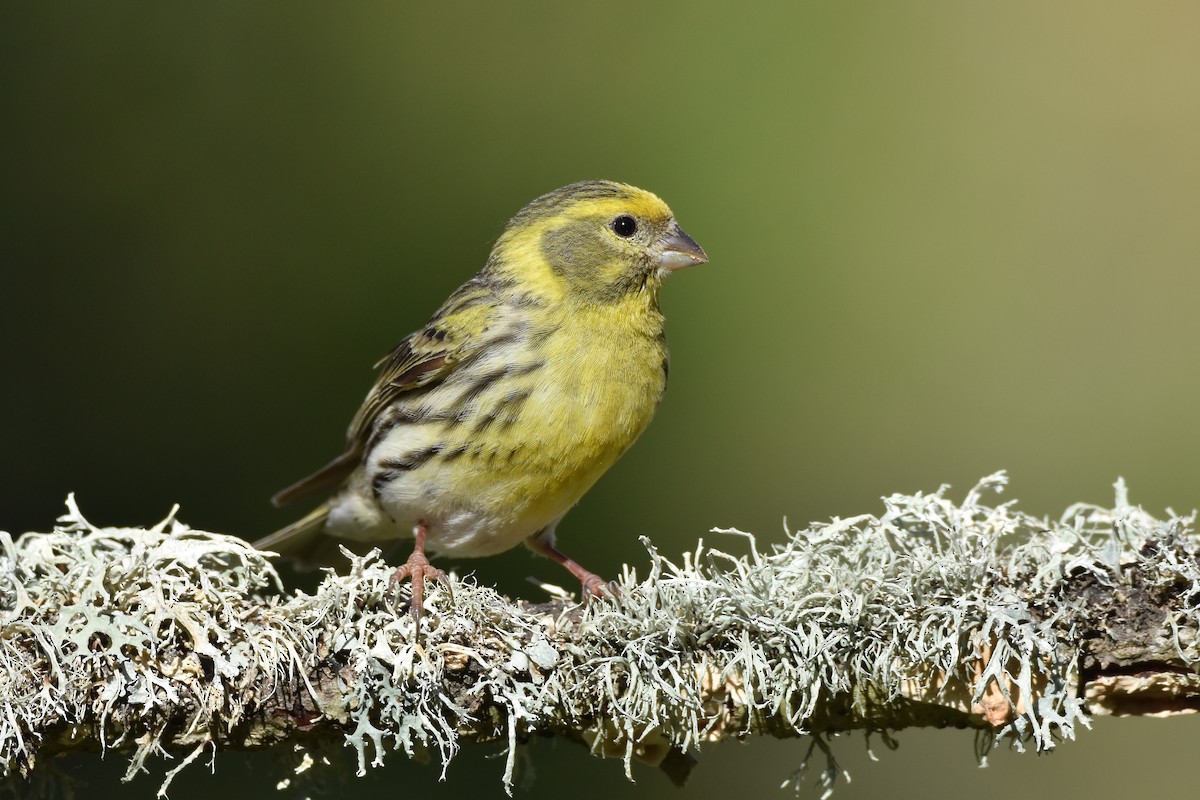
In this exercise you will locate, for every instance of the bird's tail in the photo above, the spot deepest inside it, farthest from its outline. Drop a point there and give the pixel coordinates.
(308, 545)
(301, 539)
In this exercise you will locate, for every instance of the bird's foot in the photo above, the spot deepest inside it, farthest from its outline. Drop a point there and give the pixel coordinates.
(595, 587)
(419, 570)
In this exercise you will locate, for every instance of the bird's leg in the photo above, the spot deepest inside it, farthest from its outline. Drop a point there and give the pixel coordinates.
(418, 569)
(593, 585)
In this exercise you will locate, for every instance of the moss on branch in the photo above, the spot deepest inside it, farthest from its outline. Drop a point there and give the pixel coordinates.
(932, 613)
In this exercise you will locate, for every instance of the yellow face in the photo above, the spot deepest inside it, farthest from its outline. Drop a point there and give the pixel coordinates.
(603, 241)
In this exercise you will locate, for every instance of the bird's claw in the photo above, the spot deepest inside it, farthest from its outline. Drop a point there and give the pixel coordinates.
(419, 570)
(595, 587)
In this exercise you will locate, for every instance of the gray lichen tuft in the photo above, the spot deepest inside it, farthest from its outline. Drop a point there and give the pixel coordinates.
(934, 613)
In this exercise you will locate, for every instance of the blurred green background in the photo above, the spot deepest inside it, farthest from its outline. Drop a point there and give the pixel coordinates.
(945, 238)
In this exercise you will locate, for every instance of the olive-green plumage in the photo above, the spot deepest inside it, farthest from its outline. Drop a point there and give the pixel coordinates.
(487, 424)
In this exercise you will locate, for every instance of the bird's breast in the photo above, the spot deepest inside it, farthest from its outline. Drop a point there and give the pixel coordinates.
(508, 443)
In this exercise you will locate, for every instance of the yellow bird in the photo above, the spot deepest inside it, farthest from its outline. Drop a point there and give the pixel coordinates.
(489, 423)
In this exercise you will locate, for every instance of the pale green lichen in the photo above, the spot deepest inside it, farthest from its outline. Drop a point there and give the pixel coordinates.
(86, 609)
(109, 632)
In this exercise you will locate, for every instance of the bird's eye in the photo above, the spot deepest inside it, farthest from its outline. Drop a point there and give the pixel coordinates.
(624, 226)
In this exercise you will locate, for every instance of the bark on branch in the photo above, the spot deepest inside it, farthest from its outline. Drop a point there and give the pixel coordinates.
(933, 613)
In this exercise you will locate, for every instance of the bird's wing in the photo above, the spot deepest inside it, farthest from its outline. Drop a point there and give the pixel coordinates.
(451, 337)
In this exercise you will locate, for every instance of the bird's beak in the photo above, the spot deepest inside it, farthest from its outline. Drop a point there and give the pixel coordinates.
(679, 250)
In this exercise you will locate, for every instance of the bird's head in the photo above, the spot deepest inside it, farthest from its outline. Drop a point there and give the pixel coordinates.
(598, 241)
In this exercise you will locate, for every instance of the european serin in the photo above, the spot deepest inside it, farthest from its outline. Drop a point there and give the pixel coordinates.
(486, 425)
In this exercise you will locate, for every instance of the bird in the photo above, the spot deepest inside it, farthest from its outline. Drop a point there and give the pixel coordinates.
(489, 422)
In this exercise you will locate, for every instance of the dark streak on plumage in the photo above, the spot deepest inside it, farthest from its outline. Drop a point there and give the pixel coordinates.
(550, 203)
(490, 281)
(483, 424)
(511, 337)
(482, 289)
(411, 461)
(451, 455)
(538, 335)
(482, 383)
(381, 480)
(506, 412)
(511, 408)
(517, 370)
(526, 300)
(410, 412)
(393, 468)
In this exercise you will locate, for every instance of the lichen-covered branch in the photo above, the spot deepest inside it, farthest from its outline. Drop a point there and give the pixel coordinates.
(933, 613)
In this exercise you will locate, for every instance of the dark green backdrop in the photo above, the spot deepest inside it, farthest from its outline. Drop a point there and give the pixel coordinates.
(945, 238)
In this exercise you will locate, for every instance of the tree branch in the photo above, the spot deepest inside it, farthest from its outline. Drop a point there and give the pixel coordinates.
(932, 614)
